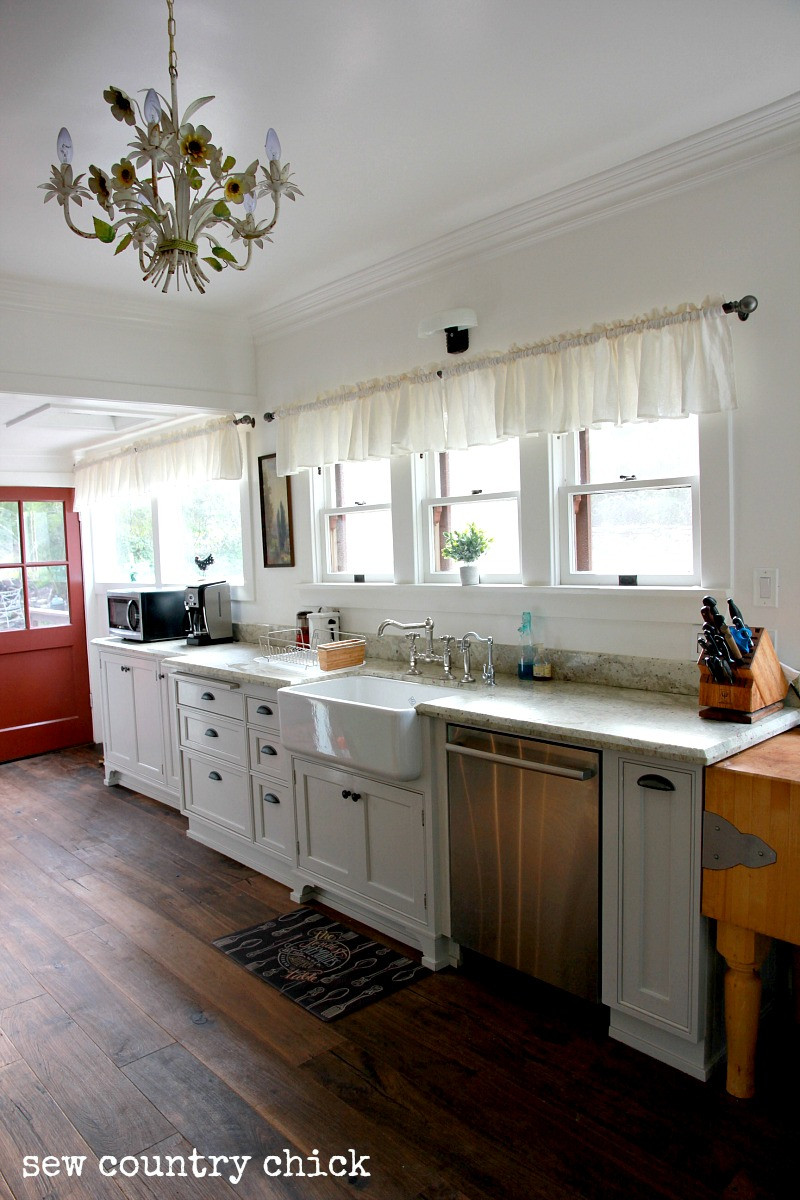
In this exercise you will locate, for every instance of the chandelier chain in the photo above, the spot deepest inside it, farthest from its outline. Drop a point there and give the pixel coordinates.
(173, 57)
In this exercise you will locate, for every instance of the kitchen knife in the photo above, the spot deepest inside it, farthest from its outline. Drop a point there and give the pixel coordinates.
(711, 613)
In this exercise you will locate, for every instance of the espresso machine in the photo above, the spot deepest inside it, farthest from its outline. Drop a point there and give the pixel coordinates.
(209, 609)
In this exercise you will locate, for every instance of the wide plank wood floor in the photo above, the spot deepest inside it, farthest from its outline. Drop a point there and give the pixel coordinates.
(124, 1033)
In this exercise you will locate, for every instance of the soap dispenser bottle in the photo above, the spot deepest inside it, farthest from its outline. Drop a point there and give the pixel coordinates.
(525, 664)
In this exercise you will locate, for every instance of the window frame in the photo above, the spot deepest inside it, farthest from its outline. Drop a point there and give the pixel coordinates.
(543, 466)
(427, 502)
(566, 531)
(163, 576)
(324, 492)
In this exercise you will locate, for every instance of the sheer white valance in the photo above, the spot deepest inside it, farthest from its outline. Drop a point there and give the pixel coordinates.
(668, 364)
(191, 454)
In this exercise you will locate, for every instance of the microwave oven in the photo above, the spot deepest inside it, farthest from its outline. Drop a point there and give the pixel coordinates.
(147, 614)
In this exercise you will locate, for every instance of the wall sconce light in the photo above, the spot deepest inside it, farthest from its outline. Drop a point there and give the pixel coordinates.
(456, 323)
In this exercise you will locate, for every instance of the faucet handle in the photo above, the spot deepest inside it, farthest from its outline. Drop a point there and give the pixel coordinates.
(447, 640)
(413, 669)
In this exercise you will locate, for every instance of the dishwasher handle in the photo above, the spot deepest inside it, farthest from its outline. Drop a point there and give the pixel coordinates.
(579, 773)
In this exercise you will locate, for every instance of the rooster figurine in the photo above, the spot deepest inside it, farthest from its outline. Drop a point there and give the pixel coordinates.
(203, 564)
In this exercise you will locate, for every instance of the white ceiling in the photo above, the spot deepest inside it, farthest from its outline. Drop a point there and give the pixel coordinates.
(404, 120)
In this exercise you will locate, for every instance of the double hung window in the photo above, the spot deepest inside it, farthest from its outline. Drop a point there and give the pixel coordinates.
(479, 486)
(356, 521)
(630, 504)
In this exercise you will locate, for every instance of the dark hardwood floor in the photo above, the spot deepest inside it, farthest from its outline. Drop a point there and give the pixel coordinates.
(124, 1033)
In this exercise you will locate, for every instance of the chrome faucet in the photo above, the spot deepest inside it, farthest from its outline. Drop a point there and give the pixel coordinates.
(427, 655)
(488, 670)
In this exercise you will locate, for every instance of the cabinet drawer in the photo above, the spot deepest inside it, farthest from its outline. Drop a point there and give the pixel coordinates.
(268, 755)
(213, 735)
(273, 818)
(263, 711)
(217, 792)
(211, 696)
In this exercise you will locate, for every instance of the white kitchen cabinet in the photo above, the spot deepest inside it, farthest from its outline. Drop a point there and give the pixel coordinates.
(139, 730)
(237, 789)
(362, 837)
(655, 946)
(274, 828)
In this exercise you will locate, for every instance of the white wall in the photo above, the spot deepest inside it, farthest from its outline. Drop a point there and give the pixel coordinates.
(731, 235)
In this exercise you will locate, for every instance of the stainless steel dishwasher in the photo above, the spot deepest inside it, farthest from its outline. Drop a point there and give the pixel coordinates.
(524, 851)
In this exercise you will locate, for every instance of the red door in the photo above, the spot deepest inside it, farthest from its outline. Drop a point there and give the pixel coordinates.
(44, 669)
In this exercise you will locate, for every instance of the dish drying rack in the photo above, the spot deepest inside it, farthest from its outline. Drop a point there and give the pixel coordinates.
(287, 648)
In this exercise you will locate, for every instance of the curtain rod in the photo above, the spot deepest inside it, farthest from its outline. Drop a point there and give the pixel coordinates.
(743, 308)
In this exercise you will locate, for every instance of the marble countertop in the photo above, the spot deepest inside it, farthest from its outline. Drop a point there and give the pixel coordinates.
(606, 718)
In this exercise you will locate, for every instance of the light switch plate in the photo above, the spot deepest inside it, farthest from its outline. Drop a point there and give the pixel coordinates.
(765, 587)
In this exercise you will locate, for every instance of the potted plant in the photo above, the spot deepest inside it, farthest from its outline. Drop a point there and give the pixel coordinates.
(465, 547)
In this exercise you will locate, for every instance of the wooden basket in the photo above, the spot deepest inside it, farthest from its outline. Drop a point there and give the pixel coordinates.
(759, 686)
(346, 653)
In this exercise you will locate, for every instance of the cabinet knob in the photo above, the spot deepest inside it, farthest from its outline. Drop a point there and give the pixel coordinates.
(211, 733)
(124, 668)
(215, 775)
(207, 696)
(268, 750)
(270, 798)
(348, 795)
(656, 783)
(264, 710)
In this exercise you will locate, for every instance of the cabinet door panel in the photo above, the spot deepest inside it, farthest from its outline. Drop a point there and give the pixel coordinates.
(212, 735)
(119, 733)
(149, 723)
(658, 903)
(263, 711)
(217, 792)
(394, 871)
(268, 756)
(212, 696)
(273, 818)
(330, 826)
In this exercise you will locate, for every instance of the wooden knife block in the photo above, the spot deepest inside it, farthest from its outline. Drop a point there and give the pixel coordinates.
(759, 686)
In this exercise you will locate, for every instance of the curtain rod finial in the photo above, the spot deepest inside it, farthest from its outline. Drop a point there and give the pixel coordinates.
(742, 308)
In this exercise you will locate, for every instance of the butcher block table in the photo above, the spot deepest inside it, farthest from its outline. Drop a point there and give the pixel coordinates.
(758, 793)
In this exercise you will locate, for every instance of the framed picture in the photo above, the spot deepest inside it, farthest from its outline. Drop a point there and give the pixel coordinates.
(276, 514)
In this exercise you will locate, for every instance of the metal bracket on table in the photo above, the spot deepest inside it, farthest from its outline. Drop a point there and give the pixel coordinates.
(726, 846)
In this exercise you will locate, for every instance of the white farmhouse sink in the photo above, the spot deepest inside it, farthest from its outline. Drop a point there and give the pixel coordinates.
(358, 721)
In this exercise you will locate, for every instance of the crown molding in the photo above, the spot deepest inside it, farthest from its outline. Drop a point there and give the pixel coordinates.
(765, 133)
(94, 305)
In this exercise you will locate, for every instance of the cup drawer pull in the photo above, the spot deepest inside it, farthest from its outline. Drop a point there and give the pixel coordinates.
(657, 783)
(268, 750)
(208, 696)
(264, 710)
(211, 733)
(270, 798)
(215, 775)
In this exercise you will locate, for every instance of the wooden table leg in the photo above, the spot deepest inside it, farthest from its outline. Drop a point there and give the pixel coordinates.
(744, 951)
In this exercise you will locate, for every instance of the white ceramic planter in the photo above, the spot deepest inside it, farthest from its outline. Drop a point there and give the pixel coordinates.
(469, 573)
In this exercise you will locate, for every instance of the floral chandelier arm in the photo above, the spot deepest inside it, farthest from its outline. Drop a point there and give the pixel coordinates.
(178, 157)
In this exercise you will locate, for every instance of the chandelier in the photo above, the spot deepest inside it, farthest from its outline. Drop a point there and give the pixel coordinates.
(173, 188)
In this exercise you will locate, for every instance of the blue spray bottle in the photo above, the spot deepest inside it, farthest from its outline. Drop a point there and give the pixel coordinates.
(525, 664)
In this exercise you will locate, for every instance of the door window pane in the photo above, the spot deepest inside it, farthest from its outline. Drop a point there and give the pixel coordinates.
(44, 531)
(48, 597)
(646, 531)
(361, 543)
(12, 609)
(10, 547)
